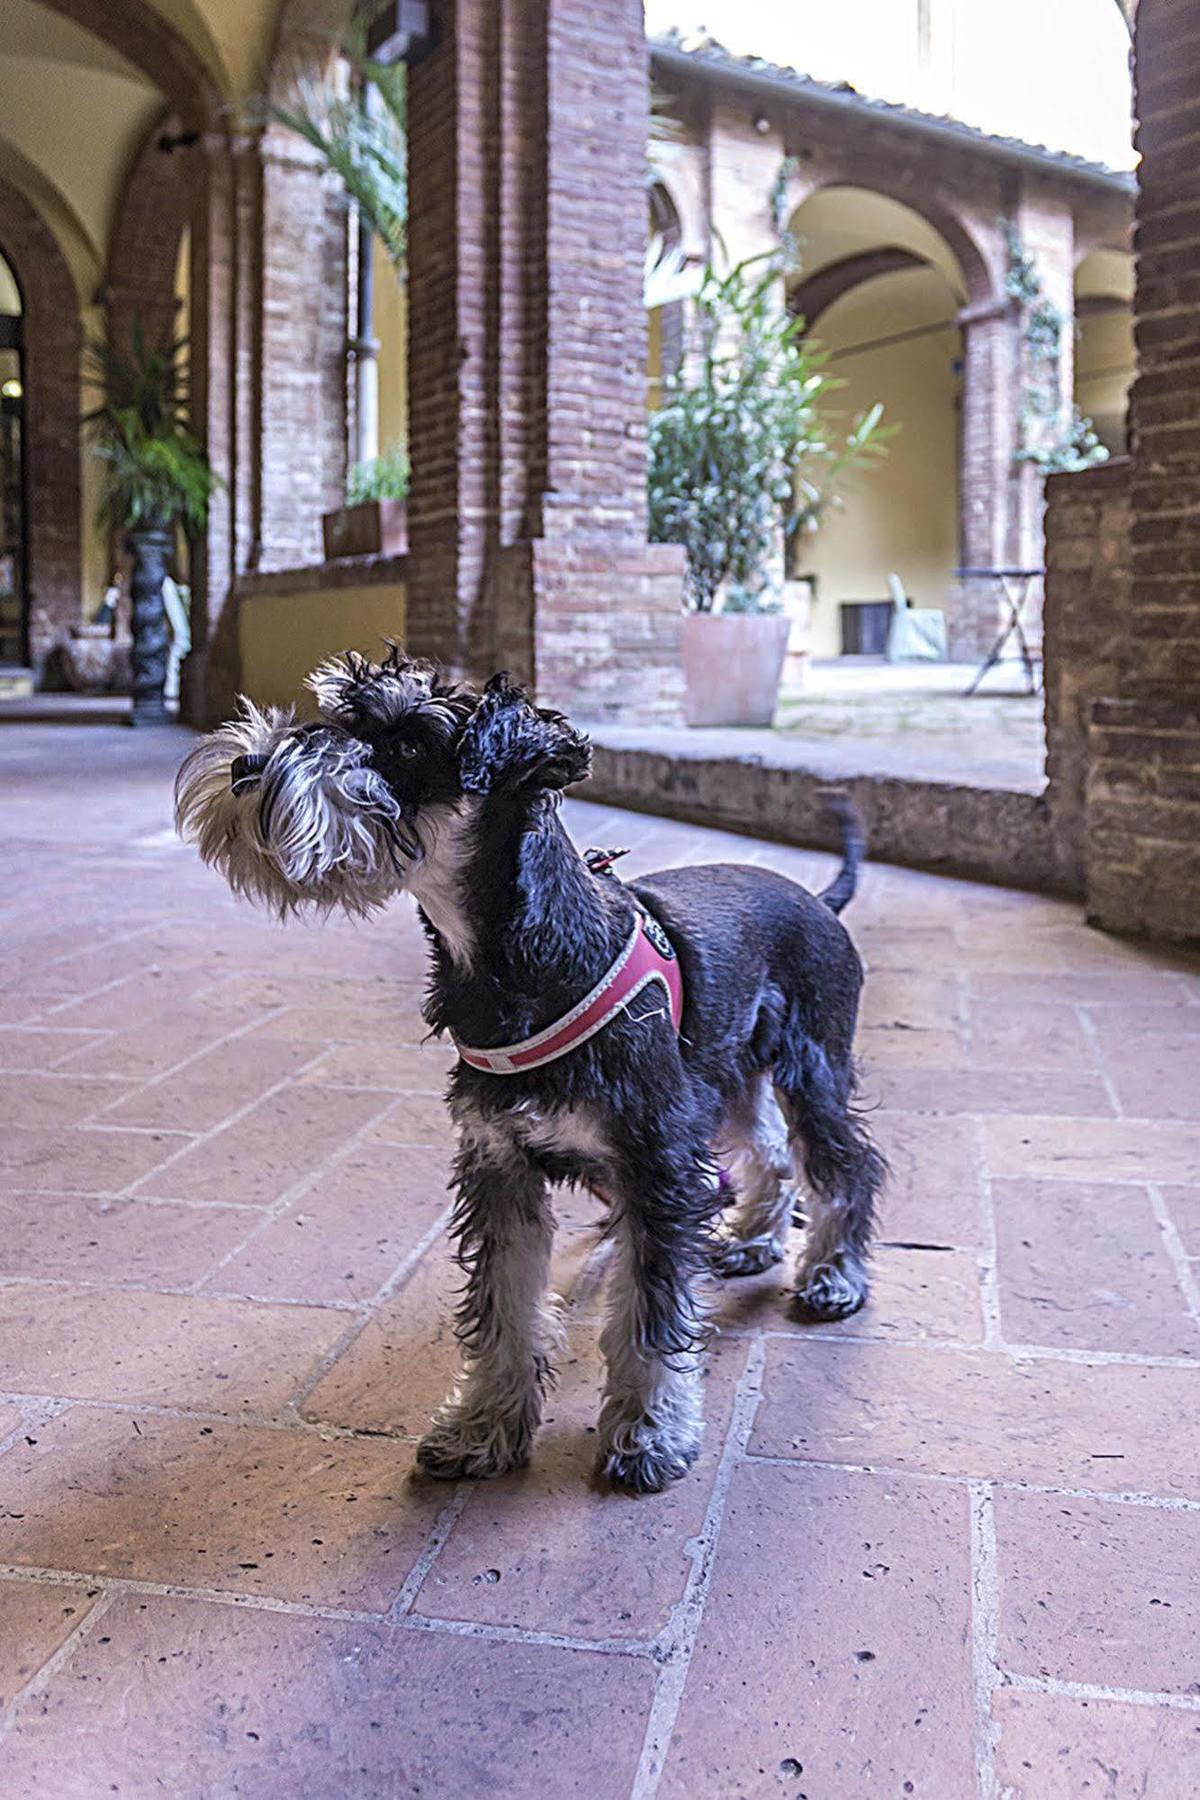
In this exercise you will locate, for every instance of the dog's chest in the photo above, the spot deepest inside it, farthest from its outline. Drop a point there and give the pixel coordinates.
(573, 1139)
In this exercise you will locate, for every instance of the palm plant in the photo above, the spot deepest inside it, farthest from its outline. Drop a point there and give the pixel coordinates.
(156, 473)
(359, 135)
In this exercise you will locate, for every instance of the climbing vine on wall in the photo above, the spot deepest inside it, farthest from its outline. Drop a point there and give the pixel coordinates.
(1053, 434)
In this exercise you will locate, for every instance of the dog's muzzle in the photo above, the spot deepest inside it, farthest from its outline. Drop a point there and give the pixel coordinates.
(244, 772)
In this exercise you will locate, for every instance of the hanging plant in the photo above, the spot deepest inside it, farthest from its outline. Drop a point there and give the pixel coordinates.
(1052, 433)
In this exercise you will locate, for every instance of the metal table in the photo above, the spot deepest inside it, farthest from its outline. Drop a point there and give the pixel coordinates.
(1015, 585)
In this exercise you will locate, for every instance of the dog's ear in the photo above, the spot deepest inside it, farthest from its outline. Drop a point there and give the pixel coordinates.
(509, 744)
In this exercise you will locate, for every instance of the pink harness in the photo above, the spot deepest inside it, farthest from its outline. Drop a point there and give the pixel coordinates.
(648, 956)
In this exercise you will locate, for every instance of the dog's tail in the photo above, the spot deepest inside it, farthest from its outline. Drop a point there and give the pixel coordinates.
(842, 888)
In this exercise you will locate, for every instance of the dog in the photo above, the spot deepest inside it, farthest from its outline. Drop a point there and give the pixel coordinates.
(695, 1079)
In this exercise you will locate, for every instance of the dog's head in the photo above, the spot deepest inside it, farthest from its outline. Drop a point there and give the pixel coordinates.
(343, 811)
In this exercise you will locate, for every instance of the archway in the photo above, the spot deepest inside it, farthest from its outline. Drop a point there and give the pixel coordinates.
(46, 588)
(883, 289)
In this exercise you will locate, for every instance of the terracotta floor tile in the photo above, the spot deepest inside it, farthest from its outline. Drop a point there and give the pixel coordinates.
(415, 1119)
(37, 1619)
(1094, 1592)
(932, 1194)
(1156, 1074)
(1055, 1748)
(906, 1046)
(1183, 1204)
(1113, 1427)
(914, 1294)
(343, 1239)
(75, 1237)
(842, 1670)
(162, 1349)
(284, 1514)
(1093, 1149)
(1085, 1265)
(549, 1550)
(278, 1142)
(406, 1068)
(43, 1047)
(55, 1101)
(979, 1091)
(143, 1046)
(1100, 985)
(366, 1024)
(208, 1090)
(919, 1002)
(184, 1698)
(1027, 1034)
(82, 1161)
(401, 1367)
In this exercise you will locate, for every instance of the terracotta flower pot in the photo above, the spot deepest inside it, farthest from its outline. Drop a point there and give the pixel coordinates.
(732, 666)
(373, 528)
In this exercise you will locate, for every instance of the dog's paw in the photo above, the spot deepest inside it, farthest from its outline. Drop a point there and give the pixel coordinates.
(451, 1452)
(648, 1469)
(746, 1256)
(829, 1291)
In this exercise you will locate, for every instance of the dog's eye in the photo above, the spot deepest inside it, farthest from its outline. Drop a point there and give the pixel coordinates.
(406, 752)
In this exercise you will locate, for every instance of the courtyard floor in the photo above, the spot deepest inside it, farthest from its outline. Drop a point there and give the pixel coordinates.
(947, 1548)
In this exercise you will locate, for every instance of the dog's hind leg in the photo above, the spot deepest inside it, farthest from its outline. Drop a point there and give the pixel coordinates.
(760, 1161)
(651, 1422)
(504, 1229)
(844, 1172)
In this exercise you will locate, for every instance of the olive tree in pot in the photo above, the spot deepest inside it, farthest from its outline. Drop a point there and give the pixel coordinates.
(742, 454)
(156, 481)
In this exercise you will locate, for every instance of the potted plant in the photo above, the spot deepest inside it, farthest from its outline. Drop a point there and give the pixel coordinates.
(373, 522)
(157, 480)
(742, 455)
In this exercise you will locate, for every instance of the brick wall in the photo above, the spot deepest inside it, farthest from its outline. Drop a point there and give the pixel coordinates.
(52, 406)
(147, 229)
(1143, 803)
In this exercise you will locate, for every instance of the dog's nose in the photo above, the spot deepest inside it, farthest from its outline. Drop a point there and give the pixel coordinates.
(244, 772)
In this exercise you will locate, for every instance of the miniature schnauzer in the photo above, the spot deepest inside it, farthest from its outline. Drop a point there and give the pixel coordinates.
(569, 981)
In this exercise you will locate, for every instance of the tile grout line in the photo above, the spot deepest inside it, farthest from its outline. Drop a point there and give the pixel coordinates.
(1161, 1502)
(396, 1280)
(1026, 1353)
(1185, 1274)
(53, 1405)
(988, 1256)
(677, 1641)
(154, 1081)
(1088, 1028)
(985, 1632)
(41, 1679)
(1084, 1690)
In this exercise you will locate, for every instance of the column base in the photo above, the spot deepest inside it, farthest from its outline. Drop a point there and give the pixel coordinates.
(594, 626)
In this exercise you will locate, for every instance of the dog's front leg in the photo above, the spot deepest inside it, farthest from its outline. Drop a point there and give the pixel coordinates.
(651, 1421)
(503, 1226)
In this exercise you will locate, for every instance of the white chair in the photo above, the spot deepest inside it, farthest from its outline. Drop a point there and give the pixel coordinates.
(916, 633)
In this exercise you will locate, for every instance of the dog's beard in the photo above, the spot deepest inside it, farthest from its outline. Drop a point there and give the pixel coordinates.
(320, 828)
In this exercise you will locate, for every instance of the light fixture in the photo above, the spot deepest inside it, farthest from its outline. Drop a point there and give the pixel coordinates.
(762, 124)
(11, 390)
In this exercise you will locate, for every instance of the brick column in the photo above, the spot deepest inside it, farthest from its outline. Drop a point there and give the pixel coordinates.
(303, 336)
(527, 517)
(1143, 823)
(989, 481)
(222, 363)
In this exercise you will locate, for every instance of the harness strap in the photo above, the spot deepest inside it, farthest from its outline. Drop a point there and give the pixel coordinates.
(647, 956)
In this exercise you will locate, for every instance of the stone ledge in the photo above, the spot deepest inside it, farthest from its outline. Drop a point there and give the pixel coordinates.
(1117, 472)
(325, 577)
(984, 834)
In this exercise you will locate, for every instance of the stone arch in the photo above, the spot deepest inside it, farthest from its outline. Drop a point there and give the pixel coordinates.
(980, 280)
(143, 256)
(52, 343)
(139, 32)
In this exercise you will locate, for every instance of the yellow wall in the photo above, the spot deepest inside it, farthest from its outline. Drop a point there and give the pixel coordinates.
(391, 331)
(282, 637)
(902, 516)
